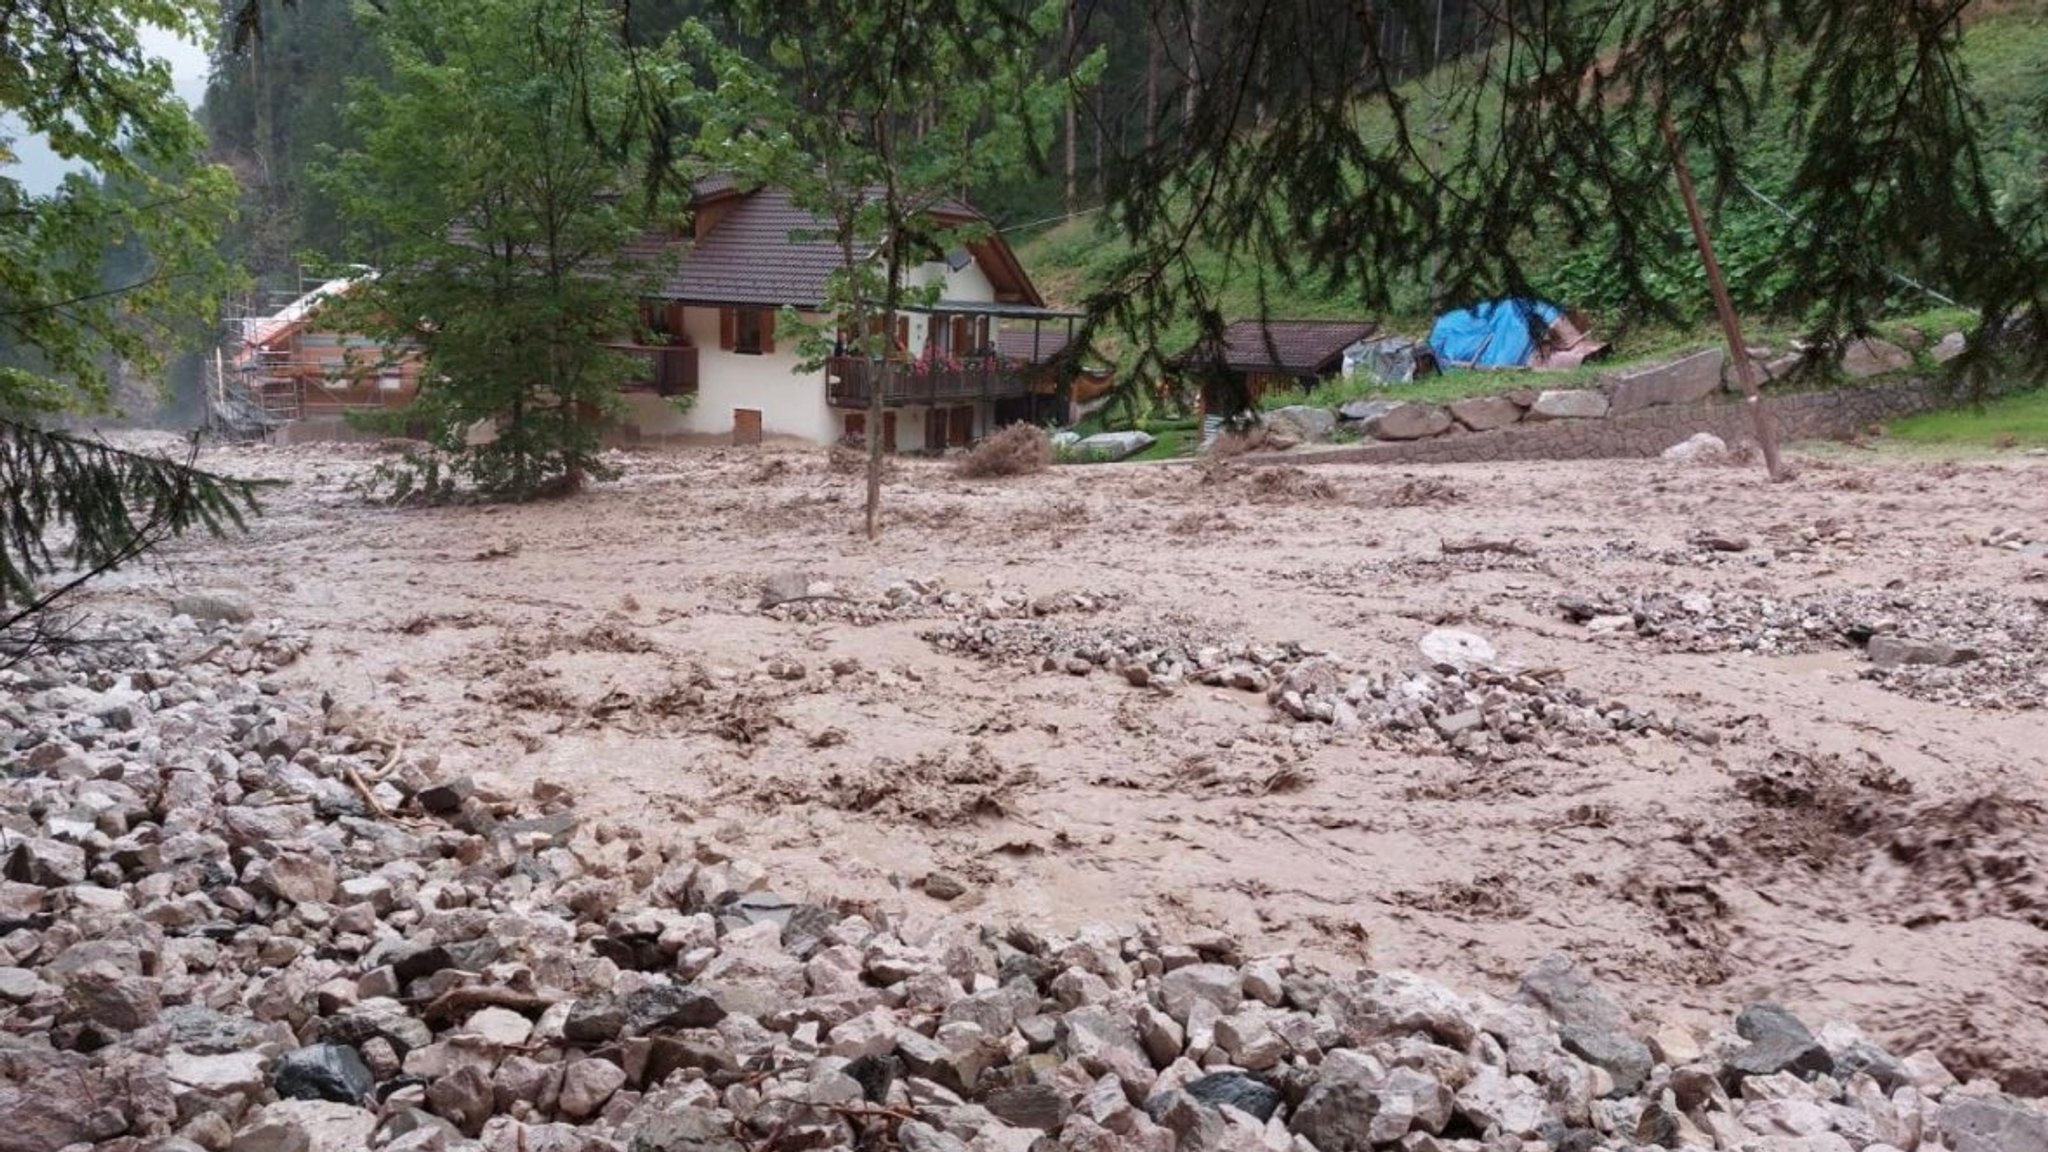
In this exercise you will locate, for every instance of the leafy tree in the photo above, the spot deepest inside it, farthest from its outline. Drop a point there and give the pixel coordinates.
(493, 189)
(1548, 135)
(77, 75)
(877, 128)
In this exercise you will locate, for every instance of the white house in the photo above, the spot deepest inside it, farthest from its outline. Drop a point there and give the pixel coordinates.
(754, 253)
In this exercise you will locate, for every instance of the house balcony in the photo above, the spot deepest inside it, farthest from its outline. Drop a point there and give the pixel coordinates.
(668, 370)
(850, 382)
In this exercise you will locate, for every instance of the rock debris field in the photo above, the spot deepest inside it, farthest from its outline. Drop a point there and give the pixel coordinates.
(1446, 810)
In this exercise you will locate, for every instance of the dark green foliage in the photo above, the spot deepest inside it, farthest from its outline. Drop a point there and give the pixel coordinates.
(113, 504)
(494, 188)
(1547, 138)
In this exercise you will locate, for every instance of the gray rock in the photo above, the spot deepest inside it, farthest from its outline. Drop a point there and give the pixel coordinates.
(21, 984)
(446, 795)
(1683, 381)
(670, 1006)
(1394, 1004)
(213, 608)
(243, 1072)
(1486, 413)
(1219, 984)
(594, 1020)
(1359, 411)
(47, 863)
(685, 1127)
(1304, 423)
(1698, 448)
(1896, 651)
(1336, 1115)
(1039, 1106)
(1494, 1101)
(1193, 1125)
(1951, 346)
(463, 1097)
(586, 1085)
(1114, 445)
(1409, 421)
(1409, 1099)
(1568, 404)
(115, 1003)
(1778, 1042)
(918, 1136)
(1247, 1094)
(334, 1072)
(1873, 357)
(1456, 648)
(1870, 1060)
(1590, 1024)
(306, 1126)
(1991, 1124)
(300, 877)
(944, 886)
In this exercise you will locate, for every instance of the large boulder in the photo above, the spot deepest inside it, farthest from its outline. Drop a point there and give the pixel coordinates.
(1113, 445)
(1700, 447)
(1590, 1024)
(1778, 1042)
(1682, 381)
(306, 1126)
(1568, 404)
(1359, 411)
(1951, 346)
(1409, 421)
(1304, 423)
(1486, 413)
(1991, 1124)
(1872, 357)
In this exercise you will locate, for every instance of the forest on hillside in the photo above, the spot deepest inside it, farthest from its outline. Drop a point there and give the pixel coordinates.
(275, 103)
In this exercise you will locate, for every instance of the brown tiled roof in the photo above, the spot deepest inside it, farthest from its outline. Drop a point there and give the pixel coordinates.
(1018, 343)
(765, 250)
(1294, 347)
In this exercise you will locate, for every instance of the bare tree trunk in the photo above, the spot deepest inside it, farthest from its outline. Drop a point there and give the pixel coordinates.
(1194, 76)
(1153, 33)
(1073, 108)
(878, 386)
(1731, 325)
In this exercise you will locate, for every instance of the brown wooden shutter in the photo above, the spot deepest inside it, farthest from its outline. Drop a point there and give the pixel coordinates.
(767, 332)
(728, 328)
(903, 333)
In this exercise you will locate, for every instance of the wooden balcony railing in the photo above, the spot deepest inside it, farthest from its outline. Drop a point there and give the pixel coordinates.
(850, 382)
(668, 371)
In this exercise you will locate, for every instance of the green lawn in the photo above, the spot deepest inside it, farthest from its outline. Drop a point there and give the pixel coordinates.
(2011, 421)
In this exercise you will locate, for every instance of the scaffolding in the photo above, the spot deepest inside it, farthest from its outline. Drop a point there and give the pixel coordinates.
(263, 373)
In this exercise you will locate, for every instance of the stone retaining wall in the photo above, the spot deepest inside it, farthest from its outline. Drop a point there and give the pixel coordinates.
(1804, 416)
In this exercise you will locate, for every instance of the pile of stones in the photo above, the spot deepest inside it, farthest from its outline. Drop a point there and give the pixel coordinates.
(799, 597)
(1973, 649)
(1458, 701)
(233, 923)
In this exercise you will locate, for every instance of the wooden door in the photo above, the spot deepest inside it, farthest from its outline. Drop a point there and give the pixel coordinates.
(935, 430)
(746, 426)
(961, 430)
(888, 432)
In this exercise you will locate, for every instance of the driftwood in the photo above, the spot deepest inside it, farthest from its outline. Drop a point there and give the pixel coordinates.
(1486, 544)
(458, 1002)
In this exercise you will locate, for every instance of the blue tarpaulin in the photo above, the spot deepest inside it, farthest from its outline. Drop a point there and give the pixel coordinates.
(1495, 334)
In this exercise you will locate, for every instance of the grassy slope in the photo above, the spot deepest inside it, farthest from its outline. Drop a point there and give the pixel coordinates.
(2006, 51)
(2011, 421)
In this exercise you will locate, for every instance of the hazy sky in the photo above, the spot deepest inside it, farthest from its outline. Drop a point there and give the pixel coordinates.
(39, 169)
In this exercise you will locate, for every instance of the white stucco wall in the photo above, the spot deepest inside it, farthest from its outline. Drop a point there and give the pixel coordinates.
(792, 404)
